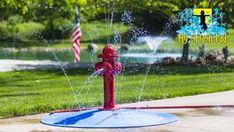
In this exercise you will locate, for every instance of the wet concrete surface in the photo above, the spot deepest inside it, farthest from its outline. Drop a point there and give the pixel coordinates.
(195, 120)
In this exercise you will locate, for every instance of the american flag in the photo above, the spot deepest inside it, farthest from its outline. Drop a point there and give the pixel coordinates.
(76, 37)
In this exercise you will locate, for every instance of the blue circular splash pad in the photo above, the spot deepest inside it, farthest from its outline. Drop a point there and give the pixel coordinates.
(119, 118)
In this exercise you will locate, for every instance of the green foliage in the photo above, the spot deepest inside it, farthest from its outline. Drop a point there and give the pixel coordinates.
(61, 29)
(100, 31)
(82, 2)
(96, 32)
(19, 32)
(15, 19)
(147, 13)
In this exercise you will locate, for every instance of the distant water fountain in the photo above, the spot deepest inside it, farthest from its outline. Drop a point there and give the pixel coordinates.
(140, 37)
(148, 58)
(152, 42)
(152, 55)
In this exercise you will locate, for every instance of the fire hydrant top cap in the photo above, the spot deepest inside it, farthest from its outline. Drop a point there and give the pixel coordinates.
(110, 51)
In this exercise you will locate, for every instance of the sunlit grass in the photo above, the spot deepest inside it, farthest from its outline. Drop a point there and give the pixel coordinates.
(30, 92)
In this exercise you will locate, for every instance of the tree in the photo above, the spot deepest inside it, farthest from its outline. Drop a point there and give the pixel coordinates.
(16, 7)
(147, 13)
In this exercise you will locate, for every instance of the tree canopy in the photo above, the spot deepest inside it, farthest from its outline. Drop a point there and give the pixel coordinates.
(146, 12)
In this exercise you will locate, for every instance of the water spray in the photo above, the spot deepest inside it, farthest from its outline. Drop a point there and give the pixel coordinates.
(109, 116)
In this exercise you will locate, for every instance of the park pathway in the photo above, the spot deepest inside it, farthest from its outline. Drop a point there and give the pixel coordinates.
(190, 120)
(11, 65)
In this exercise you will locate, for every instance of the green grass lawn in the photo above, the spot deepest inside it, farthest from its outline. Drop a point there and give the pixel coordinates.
(31, 92)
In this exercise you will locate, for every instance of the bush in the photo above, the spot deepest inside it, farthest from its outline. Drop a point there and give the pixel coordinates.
(124, 48)
(91, 48)
(15, 19)
(21, 32)
(168, 60)
(58, 29)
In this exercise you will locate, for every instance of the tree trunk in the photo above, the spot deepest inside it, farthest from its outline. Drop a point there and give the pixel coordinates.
(185, 53)
(52, 29)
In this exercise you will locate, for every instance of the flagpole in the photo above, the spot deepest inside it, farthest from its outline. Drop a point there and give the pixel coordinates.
(76, 36)
(76, 13)
(76, 10)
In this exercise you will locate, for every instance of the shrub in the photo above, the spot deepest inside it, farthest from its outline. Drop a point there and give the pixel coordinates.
(21, 32)
(15, 19)
(168, 60)
(214, 58)
(58, 29)
(91, 48)
(124, 48)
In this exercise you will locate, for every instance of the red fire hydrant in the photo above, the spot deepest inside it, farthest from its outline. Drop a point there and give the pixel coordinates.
(110, 68)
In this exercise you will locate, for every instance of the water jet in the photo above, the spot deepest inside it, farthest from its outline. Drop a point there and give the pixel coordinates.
(109, 116)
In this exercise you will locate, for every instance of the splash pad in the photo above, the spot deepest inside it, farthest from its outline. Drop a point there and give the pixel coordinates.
(109, 116)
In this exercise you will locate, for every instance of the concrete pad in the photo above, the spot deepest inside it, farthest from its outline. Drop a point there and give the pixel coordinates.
(190, 120)
(12, 65)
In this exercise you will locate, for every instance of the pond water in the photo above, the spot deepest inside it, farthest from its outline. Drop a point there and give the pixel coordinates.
(148, 58)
